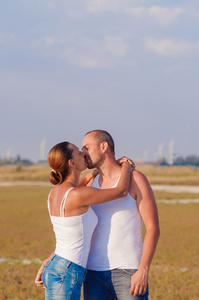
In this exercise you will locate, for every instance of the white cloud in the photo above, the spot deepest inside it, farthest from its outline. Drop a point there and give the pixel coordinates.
(86, 52)
(136, 11)
(83, 58)
(116, 45)
(75, 14)
(168, 47)
(174, 69)
(196, 14)
(49, 41)
(107, 5)
(163, 15)
(88, 61)
(50, 5)
(7, 39)
(102, 5)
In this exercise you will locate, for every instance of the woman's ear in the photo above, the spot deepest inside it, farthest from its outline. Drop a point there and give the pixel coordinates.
(71, 163)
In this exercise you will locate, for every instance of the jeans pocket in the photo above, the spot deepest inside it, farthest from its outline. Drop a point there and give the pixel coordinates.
(127, 272)
(53, 281)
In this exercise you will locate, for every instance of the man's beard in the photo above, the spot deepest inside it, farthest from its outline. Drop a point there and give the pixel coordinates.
(89, 163)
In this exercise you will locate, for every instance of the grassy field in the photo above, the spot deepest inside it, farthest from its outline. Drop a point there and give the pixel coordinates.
(27, 238)
(181, 175)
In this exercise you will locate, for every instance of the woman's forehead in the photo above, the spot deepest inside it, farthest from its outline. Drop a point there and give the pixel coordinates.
(74, 147)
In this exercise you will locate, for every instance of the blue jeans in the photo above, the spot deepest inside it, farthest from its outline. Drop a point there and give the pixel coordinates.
(110, 285)
(62, 279)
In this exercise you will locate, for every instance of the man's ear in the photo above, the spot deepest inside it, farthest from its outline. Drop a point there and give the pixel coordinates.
(71, 163)
(104, 146)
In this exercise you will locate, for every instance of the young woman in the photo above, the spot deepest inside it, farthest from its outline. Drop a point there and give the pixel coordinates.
(73, 220)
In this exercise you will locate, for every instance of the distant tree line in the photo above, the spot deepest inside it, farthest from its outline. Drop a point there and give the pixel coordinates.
(15, 161)
(192, 160)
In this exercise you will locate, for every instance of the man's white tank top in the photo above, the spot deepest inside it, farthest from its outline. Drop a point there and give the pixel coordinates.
(117, 238)
(73, 234)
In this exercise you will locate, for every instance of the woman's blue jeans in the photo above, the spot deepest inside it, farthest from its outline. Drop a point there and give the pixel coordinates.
(62, 279)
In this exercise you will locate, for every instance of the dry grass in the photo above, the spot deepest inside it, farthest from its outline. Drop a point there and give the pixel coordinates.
(175, 175)
(159, 195)
(24, 173)
(181, 175)
(174, 271)
(27, 238)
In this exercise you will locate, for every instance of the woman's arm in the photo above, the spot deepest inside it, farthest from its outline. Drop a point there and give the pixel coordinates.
(124, 158)
(84, 180)
(38, 280)
(85, 196)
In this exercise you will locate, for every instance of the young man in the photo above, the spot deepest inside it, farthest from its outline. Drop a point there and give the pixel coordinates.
(118, 263)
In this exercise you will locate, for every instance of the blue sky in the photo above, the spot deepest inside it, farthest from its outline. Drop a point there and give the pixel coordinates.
(129, 67)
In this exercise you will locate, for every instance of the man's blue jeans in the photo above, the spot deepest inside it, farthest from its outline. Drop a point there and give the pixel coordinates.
(110, 285)
(62, 279)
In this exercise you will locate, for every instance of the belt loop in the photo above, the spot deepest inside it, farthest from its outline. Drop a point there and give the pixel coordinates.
(81, 275)
(52, 257)
(68, 264)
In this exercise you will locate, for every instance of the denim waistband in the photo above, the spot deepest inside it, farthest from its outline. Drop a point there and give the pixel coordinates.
(67, 263)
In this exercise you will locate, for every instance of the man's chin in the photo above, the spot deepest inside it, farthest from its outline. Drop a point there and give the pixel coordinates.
(89, 166)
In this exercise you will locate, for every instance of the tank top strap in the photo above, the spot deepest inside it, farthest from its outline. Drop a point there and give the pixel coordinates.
(119, 178)
(48, 201)
(62, 205)
(96, 181)
(117, 182)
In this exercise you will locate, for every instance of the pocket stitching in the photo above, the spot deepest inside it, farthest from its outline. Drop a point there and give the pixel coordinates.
(60, 282)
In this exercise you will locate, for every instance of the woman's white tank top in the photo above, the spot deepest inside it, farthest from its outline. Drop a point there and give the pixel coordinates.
(117, 238)
(73, 234)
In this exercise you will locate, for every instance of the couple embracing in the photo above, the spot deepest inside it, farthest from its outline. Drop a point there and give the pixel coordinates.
(97, 220)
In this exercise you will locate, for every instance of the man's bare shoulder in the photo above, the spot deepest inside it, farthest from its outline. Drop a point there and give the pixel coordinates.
(138, 184)
(140, 188)
(138, 177)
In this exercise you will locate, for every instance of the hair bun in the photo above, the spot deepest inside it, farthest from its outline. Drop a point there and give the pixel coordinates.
(55, 177)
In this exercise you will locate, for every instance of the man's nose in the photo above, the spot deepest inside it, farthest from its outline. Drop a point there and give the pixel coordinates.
(84, 152)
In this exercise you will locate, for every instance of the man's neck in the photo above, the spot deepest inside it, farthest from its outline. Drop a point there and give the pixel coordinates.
(109, 172)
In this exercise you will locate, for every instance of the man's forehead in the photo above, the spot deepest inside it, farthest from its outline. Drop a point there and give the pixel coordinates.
(87, 143)
(89, 139)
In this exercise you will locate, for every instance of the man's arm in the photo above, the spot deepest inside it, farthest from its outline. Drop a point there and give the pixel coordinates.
(146, 203)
